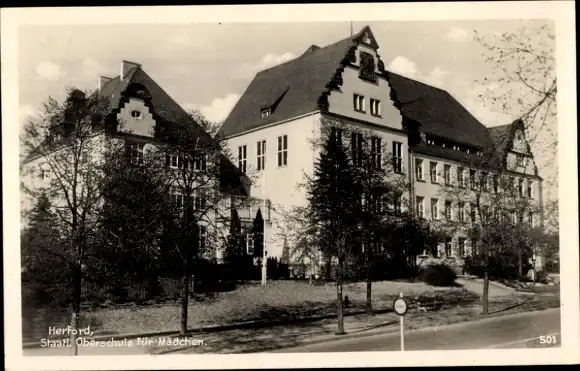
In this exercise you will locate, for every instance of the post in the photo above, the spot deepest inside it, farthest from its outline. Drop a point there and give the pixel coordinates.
(264, 263)
(402, 325)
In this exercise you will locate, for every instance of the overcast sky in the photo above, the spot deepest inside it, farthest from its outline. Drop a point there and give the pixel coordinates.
(208, 66)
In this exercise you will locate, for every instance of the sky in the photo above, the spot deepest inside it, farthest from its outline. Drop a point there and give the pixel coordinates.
(207, 66)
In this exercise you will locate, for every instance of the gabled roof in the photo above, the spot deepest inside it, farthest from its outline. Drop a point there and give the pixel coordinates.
(308, 77)
(305, 79)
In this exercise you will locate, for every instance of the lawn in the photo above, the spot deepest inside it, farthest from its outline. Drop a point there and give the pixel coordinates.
(248, 302)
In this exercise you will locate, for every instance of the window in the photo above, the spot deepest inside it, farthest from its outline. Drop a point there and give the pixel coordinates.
(473, 213)
(514, 217)
(510, 185)
(261, 155)
(199, 164)
(461, 211)
(376, 157)
(176, 198)
(136, 114)
(266, 112)
(174, 161)
(495, 184)
(460, 176)
(356, 143)
(530, 185)
(530, 219)
(199, 199)
(242, 158)
(520, 160)
(448, 214)
(521, 217)
(359, 103)
(474, 251)
(435, 208)
(419, 169)
(336, 134)
(367, 67)
(375, 107)
(249, 242)
(461, 246)
(420, 207)
(447, 174)
(283, 150)
(397, 157)
(472, 175)
(521, 187)
(136, 153)
(448, 249)
(433, 172)
(202, 236)
(483, 181)
(484, 213)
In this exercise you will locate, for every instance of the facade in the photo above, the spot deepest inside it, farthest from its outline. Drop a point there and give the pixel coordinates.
(429, 133)
(139, 114)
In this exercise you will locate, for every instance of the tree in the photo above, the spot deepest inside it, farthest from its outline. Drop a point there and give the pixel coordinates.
(134, 208)
(486, 195)
(379, 189)
(524, 72)
(65, 150)
(233, 254)
(202, 184)
(330, 197)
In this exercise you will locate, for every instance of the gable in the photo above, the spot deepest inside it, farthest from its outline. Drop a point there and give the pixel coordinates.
(136, 118)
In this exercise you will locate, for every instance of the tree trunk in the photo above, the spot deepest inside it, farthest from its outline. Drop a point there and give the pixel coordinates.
(184, 301)
(340, 330)
(485, 295)
(520, 263)
(369, 283)
(76, 306)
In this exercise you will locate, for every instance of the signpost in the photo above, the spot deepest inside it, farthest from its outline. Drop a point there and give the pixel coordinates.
(401, 308)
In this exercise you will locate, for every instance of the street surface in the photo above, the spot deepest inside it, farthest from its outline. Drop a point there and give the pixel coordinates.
(521, 330)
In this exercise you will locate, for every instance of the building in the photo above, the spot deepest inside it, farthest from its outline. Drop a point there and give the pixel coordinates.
(138, 115)
(429, 132)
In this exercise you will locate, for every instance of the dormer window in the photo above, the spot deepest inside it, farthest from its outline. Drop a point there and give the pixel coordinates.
(367, 67)
(136, 114)
(266, 112)
(520, 160)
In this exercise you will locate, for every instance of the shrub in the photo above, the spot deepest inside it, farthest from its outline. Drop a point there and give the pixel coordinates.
(438, 275)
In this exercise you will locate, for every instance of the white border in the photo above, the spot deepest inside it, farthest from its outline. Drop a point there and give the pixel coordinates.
(560, 11)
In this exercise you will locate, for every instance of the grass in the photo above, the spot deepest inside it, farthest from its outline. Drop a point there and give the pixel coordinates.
(277, 300)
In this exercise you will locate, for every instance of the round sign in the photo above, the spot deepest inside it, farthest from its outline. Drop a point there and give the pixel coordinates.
(400, 306)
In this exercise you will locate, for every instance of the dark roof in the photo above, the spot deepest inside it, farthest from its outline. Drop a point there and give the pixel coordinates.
(305, 79)
(302, 79)
(437, 112)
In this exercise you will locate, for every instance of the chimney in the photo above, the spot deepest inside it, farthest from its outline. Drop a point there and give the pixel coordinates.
(126, 66)
(102, 81)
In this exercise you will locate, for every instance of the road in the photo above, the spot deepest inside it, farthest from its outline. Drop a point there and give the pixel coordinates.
(520, 330)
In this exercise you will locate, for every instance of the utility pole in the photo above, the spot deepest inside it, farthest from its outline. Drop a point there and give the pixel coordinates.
(351, 32)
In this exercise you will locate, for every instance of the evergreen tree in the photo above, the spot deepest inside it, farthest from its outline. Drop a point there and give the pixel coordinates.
(331, 201)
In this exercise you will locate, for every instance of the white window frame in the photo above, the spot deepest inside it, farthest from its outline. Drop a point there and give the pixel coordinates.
(435, 208)
(261, 155)
(359, 103)
(433, 175)
(420, 206)
(243, 158)
(375, 107)
(283, 150)
(397, 157)
(419, 171)
(376, 152)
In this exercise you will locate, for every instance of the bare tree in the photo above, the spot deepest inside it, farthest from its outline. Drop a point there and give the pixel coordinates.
(65, 151)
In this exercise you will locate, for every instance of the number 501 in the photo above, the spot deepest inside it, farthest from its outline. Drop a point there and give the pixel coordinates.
(548, 339)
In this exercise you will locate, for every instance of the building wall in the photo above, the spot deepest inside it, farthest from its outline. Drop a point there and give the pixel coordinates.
(280, 184)
(143, 125)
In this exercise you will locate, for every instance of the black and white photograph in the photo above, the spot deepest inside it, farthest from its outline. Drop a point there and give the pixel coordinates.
(289, 182)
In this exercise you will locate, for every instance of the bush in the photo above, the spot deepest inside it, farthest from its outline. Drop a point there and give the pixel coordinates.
(504, 266)
(438, 275)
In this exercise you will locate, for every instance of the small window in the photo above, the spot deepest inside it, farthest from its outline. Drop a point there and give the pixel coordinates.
(433, 172)
(397, 157)
(359, 103)
(266, 112)
(242, 158)
(520, 160)
(420, 207)
(419, 169)
(375, 107)
(136, 114)
(283, 150)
